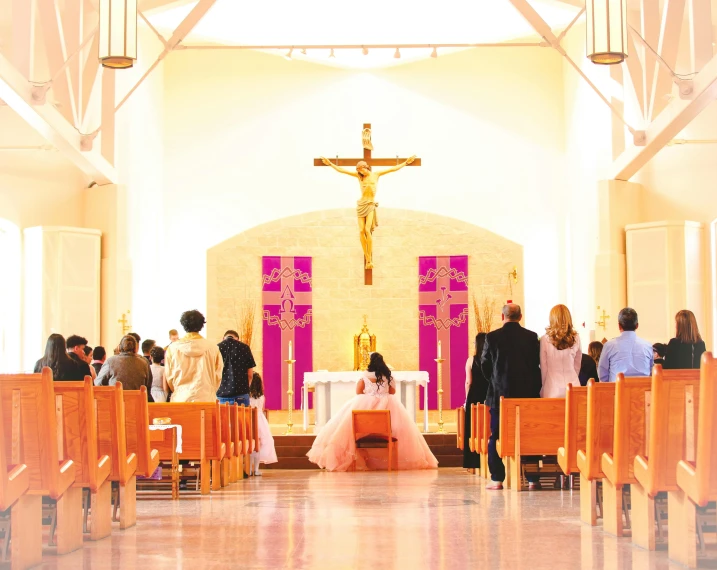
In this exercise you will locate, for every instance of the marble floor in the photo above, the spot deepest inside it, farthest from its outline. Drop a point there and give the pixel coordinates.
(436, 520)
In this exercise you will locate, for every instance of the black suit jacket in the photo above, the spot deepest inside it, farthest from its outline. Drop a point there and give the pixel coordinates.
(511, 363)
(683, 356)
(588, 369)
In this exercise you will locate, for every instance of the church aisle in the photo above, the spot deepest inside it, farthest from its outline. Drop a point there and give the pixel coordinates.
(440, 519)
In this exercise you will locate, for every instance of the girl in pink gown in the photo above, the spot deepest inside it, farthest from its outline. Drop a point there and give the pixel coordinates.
(334, 448)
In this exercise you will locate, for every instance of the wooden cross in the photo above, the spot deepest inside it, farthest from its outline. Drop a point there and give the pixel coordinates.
(368, 273)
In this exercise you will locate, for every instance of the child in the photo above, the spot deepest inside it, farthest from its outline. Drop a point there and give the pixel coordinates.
(160, 389)
(266, 453)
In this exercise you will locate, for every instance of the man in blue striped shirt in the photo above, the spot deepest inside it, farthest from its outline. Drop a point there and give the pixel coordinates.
(627, 353)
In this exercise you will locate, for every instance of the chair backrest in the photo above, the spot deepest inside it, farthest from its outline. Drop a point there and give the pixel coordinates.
(28, 407)
(474, 435)
(576, 412)
(227, 439)
(369, 422)
(137, 430)
(542, 422)
(77, 430)
(672, 427)
(187, 414)
(600, 428)
(113, 432)
(632, 411)
(255, 428)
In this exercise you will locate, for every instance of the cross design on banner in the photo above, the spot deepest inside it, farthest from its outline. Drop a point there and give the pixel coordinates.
(447, 299)
(287, 299)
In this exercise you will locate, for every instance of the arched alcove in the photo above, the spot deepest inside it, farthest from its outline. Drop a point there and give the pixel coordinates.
(340, 298)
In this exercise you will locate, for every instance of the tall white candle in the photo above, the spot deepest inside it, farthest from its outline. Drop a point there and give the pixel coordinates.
(290, 350)
(439, 349)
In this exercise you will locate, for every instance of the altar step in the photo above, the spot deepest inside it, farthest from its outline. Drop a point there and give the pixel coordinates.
(291, 451)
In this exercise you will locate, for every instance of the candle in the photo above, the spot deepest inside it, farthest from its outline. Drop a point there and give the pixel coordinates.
(439, 349)
(290, 350)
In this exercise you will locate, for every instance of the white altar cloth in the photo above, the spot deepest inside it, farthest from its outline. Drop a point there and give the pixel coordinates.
(333, 389)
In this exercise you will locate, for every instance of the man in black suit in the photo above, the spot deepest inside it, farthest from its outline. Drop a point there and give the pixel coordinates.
(511, 363)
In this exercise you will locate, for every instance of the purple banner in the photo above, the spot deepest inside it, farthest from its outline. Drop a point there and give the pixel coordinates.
(286, 317)
(443, 317)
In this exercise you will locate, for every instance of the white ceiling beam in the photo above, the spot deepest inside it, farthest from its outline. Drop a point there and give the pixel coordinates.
(650, 31)
(576, 3)
(637, 73)
(675, 117)
(107, 137)
(17, 92)
(23, 36)
(673, 15)
(700, 19)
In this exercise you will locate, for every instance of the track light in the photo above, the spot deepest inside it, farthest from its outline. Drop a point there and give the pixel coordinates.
(397, 55)
(434, 53)
(364, 50)
(287, 57)
(332, 53)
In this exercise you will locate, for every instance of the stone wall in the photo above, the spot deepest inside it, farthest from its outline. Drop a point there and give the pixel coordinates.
(340, 297)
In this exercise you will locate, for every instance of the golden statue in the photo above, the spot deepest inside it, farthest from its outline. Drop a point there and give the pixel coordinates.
(366, 206)
(364, 345)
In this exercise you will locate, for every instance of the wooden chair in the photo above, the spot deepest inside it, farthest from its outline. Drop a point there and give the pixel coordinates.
(460, 426)
(696, 480)
(228, 442)
(31, 438)
(137, 430)
(599, 431)
(14, 483)
(372, 430)
(113, 440)
(576, 412)
(670, 437)
(484, 421)
(77, 429)
(201, 436)
(632, 410)
(546, 420)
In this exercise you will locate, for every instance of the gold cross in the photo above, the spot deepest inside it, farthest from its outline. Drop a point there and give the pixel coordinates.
(602, 319)
(125, 323)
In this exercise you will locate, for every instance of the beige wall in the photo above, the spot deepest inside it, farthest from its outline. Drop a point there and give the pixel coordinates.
(340, 298)
(241, 131)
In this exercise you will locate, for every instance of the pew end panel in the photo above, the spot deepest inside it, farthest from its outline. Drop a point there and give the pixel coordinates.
(575, 428)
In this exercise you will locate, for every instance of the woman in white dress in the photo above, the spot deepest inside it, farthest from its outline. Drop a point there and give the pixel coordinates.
(267, 452)
(560, 354)
(334, 447)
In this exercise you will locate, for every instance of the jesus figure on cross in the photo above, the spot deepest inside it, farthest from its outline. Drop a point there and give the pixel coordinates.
(366, 206)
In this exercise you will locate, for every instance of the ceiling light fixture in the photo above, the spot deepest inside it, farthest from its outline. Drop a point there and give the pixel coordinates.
(434, 53)
(364, 50)
(287, 57)
(606, 31)
(332, 53)
(397, 55)
(118, 33)
(303, 51)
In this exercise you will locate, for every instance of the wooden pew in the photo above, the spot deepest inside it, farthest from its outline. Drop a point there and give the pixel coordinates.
(77, 430)
(544, 419)
(460, 426)
(474, 436)
(228, 442)
(484, 421)
(576, 411)
(255, 429)
(670, 437)
(14, 483)
(201, 436)
(137, 430)
(599, 432)
(632, 403)
(113, 440)
(236, 471)
(31, 438)
(696, 480)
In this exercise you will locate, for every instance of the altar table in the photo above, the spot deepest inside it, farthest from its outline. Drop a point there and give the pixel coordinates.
(333, 389)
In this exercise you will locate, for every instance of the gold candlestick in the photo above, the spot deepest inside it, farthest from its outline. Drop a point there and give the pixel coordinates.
(440, 362)
(290, 393)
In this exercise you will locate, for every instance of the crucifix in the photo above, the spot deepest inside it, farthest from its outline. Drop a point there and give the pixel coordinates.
(125, 323)
(368, 180)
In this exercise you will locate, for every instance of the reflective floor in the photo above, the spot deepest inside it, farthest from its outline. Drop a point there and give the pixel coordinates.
(310, 519)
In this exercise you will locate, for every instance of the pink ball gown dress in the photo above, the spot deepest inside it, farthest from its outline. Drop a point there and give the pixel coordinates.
(334, 448)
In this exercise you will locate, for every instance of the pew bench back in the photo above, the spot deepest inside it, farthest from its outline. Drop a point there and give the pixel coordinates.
(576, 411)
(542, 425)
(600, 429)
(138, 434)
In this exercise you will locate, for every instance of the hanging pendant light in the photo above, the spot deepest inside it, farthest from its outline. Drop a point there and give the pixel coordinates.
(118, 33)
(606, 36)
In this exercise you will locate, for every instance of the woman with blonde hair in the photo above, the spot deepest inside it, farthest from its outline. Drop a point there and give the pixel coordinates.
(685, 350)
(560, 354)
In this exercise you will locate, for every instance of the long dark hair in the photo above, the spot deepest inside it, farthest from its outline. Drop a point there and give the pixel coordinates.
(55, 354)
(256, 389)
(480, 342)
(378, 367)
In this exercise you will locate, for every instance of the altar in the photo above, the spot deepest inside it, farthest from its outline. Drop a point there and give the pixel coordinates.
(333, 389)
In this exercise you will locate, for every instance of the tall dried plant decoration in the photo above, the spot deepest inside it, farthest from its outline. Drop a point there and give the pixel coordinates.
(245, 315)
(483, 313)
